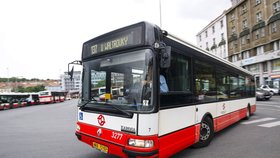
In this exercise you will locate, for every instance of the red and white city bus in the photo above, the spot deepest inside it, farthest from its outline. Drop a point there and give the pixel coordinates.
(13, 100)
(52, 96)
(202, 95)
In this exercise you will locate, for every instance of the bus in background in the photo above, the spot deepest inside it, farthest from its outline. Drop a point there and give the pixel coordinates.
(52, 96)
(32, 99)
(13, 100)
(173, 94)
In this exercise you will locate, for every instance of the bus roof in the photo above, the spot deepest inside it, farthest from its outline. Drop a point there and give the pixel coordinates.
(179, 40)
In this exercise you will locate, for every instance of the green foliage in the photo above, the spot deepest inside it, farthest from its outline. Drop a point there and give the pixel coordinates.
(30, 89)
(101, 84)
(15, 79)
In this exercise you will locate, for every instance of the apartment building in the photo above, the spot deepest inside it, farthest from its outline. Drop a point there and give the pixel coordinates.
(71, 85)
(253, 28)
(213, 37)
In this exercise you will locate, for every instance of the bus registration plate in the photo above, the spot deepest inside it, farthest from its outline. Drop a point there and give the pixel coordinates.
(100, 147)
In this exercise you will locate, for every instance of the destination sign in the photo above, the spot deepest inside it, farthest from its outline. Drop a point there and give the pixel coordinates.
(109, 45)
(116, 40)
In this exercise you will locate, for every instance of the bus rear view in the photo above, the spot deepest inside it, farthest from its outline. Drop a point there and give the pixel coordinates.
(149, 94)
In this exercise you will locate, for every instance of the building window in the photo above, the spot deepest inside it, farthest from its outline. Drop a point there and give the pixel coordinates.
(232, 16)
(213, 29)
(222, 23)
(262, 32)
(231, 45)
(221, 52)
(244, 24)
(260, 50)
(259, 17)
(276, 45)
(234, 58)
(214, 41)
(245, 55)
(243, 9)
(206, 34)
(276, 7)
(225, 52)
(275, 65)
(265, 67)
(243, 40)
(200, 38)
(258, 2)
(257, 33)
(233, 30)
(254, 68)
(273, 27)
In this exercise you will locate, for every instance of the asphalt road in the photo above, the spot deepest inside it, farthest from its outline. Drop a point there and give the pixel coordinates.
(47, 131)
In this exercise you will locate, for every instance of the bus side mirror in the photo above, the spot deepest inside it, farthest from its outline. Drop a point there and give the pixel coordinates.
(70, 73)
(165, 57)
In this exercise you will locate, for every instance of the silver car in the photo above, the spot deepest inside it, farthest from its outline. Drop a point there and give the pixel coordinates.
(263, 94)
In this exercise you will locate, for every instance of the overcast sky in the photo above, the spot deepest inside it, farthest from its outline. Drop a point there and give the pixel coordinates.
(38, 38)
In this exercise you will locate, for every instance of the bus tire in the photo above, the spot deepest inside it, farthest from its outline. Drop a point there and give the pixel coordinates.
(206, 133)
(248, 113)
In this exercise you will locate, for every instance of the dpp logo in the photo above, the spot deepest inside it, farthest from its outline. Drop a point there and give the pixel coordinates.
(81, 116)
(101, 120)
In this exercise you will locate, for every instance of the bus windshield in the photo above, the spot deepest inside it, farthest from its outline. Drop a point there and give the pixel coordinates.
(121, 81)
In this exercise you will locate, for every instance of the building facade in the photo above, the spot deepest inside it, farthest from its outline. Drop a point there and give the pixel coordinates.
(213, 37)
(253, 28)
(71, 85)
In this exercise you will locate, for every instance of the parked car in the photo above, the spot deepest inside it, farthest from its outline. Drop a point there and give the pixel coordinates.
(263, 94)
(270, 89)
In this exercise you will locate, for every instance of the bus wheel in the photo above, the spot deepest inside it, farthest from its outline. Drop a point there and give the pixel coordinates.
(206, 133)
(248, 113)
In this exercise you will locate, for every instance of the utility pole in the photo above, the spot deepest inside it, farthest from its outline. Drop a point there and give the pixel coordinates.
(160, 19)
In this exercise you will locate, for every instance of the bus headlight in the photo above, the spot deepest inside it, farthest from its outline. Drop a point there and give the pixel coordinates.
(78, 128)
(141, 143)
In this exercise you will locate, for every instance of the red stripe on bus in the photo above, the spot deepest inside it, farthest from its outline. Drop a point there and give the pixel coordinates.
(116, 141)
(174, 142)
(15, 105)
(45, 96)
(253, 109)
(228, 119)
(197, 132)
(7, 106)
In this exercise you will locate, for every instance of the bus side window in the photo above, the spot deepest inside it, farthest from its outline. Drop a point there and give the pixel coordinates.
(205, 82)
(178, 81)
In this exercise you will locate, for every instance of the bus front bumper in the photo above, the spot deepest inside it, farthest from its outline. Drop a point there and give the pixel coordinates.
(115, 149)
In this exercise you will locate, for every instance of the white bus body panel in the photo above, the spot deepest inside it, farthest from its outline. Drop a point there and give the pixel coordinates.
(202, 109)
(171, 120)
(111, 122)
(148, 124)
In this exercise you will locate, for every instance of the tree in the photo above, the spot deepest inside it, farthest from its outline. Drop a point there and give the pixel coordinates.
(30, 89)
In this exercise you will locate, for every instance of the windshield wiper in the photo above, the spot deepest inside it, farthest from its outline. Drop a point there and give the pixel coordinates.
(121, 110)
(88, 101)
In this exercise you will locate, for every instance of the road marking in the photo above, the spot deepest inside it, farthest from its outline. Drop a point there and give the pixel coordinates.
(272, 124)
(272, 105)
(268, 109)
(259, 120)
(254, 117)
